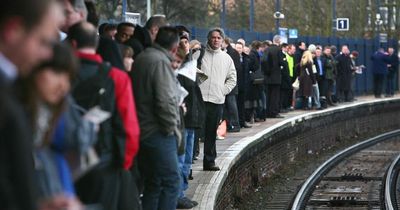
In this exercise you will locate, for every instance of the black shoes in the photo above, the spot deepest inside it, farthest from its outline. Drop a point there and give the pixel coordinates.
(185, 203)
(276, 116)
(259, 119)
(190, 177)
(246, 125)
(211, 168)
(284, 110)
(233, 129)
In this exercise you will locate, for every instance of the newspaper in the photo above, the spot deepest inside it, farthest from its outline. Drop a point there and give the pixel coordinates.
(189, 70)
(359, 69)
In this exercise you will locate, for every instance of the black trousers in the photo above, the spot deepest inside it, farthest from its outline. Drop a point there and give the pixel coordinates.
(286, 96)
(378, 84)
(213, 116)
(240, 106)
(323, 87)
(273, 100)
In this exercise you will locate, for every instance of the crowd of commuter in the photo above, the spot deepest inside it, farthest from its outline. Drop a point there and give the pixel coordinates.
(111, 116)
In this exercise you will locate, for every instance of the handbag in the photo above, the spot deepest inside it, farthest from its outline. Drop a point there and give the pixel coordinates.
(296, 84)
(257, 77)
(221, 130)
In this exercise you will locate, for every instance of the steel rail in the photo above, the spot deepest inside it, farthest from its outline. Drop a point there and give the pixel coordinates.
(390, 181)
(306, 189)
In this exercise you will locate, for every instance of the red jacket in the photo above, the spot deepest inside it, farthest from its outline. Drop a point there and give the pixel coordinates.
(126, 109)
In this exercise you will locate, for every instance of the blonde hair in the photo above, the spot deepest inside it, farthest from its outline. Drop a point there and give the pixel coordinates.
(193, 43)
(306, 58)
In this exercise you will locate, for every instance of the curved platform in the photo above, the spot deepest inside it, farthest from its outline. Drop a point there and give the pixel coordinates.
(214, 190)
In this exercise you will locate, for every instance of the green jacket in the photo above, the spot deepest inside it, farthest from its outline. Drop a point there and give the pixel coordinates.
(154, 86)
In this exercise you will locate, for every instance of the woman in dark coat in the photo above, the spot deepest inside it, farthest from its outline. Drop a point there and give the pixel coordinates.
(306, 79)
(253, 101)
(110, 51)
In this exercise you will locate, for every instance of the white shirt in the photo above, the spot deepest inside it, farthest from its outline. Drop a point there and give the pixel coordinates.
(7, 68)
(62, 35)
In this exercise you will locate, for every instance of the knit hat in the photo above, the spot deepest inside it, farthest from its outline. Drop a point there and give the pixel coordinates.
(312, 48)
(183, 32)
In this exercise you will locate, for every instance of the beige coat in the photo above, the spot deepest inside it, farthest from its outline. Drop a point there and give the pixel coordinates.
(221, 72)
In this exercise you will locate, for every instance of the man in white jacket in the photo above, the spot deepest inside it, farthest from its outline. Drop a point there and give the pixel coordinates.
(220, 69)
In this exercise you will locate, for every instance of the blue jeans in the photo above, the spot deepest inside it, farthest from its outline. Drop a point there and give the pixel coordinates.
(158, 162)
(261, 111)
(315, 95)
(232, 111)
(185, 161)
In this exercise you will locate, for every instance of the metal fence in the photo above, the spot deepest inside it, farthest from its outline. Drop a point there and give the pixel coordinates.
(366, 47)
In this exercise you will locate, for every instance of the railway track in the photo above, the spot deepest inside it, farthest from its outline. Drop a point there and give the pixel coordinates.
(363, 176)
(391, 183)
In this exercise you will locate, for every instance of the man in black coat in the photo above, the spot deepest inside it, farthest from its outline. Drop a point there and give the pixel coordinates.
(344, 74)
(144, 37)
(243, 83)
(272, 68)
(392, 71)
(231, 108)
(27, 29)
(301, 47)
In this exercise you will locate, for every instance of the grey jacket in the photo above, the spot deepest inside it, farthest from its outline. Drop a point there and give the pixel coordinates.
(220, 69)
(154, 86)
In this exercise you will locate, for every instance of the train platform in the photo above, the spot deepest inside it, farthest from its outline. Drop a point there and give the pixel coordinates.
(205, 186)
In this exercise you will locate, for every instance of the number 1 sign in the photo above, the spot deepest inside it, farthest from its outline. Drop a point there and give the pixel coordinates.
(342, 24)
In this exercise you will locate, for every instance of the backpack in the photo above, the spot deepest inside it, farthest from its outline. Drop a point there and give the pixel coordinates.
(94, 88)
(200, 58)
(201, 76)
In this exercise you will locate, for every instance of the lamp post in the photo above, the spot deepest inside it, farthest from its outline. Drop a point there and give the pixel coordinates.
(223, 15)
(148, 9)
(277, 14)
(334, 18)
(123, 10)
(251, 15)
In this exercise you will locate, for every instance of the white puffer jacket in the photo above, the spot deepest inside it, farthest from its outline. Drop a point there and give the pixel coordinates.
(221, 72)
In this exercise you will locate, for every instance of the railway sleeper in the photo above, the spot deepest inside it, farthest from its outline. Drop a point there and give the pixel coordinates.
(339, 201)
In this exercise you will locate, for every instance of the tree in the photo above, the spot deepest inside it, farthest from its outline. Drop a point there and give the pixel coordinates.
(310, 17)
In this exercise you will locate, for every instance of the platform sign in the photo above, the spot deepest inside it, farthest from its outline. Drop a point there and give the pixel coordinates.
(293, 33)
(342, 24)
(132, 17)
(383, 37)
(283, 34)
